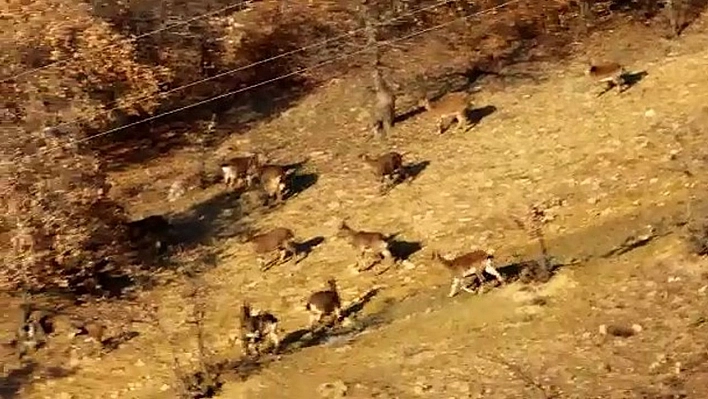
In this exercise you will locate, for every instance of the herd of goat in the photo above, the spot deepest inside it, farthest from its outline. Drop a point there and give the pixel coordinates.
(248, 171)
(389, 169)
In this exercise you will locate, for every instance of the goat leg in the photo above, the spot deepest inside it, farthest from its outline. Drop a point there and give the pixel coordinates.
(268, 265)
(454, 287)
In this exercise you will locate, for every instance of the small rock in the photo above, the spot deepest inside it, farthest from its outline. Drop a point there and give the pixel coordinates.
(176, 191)
(408, 265)
(421, 388)
(619, 331)
(342, 349)
(74, 361)
(677, 368)
(336, 389)
(650, 113)
(164, 388)
(460, 386)
(139, 363)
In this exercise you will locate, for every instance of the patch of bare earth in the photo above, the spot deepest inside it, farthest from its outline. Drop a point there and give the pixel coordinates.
(617, 162)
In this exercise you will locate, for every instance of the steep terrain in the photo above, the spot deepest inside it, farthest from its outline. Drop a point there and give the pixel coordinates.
(614, 166)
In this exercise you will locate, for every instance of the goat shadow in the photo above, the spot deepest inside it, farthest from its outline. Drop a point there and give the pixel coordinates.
(528, 271)
(208, 219)
(245, 366)
(692, 11)
(629, 80)
(300, 182)
(413, 170)
(402, 250)
(305, 337)
(308, 246)
(409, 173)
(475, 115)
(525, 271)
(112, 343)
(12, 382)
(632, 78)
(413, 112)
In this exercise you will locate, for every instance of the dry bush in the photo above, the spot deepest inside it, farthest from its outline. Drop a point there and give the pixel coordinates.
(205, 381)
(70, 235)
(100, 73)
(65, 231)
(56, 200)
(533, 222)
(697, 237)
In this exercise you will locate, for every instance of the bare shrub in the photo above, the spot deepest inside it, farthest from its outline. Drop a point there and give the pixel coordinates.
(205, 381)
(697, 237)
(59, 198)
(533, 223)
(97, 71)
(66, 233)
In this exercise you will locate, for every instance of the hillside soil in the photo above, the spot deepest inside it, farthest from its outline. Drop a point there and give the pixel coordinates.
(608, 169)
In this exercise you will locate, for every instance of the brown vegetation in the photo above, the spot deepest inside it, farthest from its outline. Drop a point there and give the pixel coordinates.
(71, 72)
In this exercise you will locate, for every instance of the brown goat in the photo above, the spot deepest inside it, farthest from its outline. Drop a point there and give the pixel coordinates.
(466, 265)
(32, 332)
(273, 182)
(255, 327)
(611, 74)
(94, 329)
(324, 303)
(387, 167)
(279, 239)
(451, 105)
(238, 169)
(366, 243)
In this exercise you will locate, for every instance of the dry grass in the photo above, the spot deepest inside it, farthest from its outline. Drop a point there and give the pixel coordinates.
(607, 159)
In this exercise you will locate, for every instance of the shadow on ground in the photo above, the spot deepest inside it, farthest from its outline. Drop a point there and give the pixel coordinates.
(221, 216)
(413, 170)
(330, 332)
(308, 246)
(333, 331)
(402, 250)
(301, 182)
(12, 382)
(112, 343)
(475, 115)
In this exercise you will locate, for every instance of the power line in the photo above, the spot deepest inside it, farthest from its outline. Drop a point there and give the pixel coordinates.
(385, 43)
(287, 75)
(132, 40)
(251, 65)
(281, 77)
